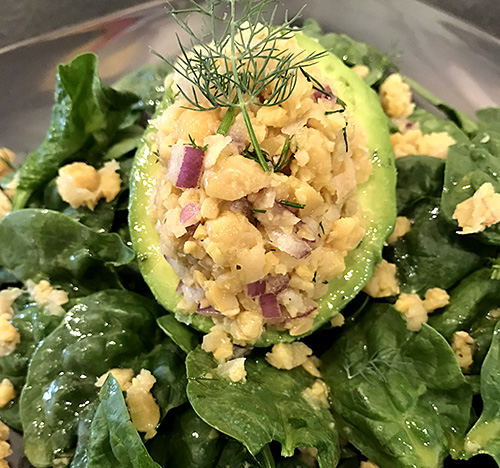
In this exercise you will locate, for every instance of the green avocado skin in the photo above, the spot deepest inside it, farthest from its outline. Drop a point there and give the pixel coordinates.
(376, 197)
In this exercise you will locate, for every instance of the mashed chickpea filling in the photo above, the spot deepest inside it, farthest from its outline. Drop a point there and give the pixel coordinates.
(255, 248)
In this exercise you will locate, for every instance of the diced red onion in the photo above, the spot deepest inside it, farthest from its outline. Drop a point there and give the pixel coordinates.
(409, 125)
(277, 283)
(188, 214)
(290, 244)
(208, 311)
(178, 290)
(269, 306)
(256, 288)
(184, 166)
(327, 97)
(243, 206)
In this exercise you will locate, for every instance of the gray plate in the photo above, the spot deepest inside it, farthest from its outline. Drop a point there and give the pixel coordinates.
(457, 62)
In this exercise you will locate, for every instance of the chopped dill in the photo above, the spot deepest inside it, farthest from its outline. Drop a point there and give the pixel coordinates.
(314, 277)
(337, 111)
(322, 228)
(258, 211)
(232, 69)
(194, 145)
(344, 132)
(292, 204)
(284, 159)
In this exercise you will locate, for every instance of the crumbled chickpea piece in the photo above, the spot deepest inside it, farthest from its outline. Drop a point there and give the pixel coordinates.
(46, 296)
(4, 431)
(463, 346)
(7, 298)
(401, 228)
(415, 142)
(9, 337)
(337, 321)
(6, 160)
(7, 393)
(479, 211)
(317, 394)
(80, 184)
(218, 343)
(122, 376)
(395, 96)
(144, 411)
(435, 298)
(383, 283)
(288, 355)
(311, 366)
(412, 307)
(234, 370)
(5, 451)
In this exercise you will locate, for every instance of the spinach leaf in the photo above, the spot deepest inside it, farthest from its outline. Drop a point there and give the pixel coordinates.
(180, 334)
(352, 52)
(484, 437)
(85, 118)
(146, 82)
(268, 406)
(430, 123)
(398, 396)
(489, 119)
(46, 244)
(474, 296)
(431, 254)
(33, 325)
(114, 440)
(467, 168)
(411, 189)
(105, 330)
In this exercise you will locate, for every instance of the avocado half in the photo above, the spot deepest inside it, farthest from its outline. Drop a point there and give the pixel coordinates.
(376, 197)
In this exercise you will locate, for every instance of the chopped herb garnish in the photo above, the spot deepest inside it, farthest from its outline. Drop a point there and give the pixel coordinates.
(284, 159)
(322, 228)
(196, 146)
(341, 102)
(337, 111)
(232, 69)
(325, 282)
(253, 155)
(314, 277)
(344, 132)
(259, 211)
(317, 86)
(292, 204)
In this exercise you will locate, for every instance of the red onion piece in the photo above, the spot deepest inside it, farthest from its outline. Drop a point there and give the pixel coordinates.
(208, 311)
(277, 283)
(256, 288)
(178, 290)
(243, 206)
(188, 214)
(184, 166)
(327, 97)
(290, 244)
(269, 306)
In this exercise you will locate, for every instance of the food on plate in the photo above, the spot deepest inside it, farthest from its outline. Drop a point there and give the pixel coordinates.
(204, 275)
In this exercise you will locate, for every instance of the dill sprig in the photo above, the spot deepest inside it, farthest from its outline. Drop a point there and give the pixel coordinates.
(233, 68)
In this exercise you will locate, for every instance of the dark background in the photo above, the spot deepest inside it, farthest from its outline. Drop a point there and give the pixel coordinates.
(24, 19)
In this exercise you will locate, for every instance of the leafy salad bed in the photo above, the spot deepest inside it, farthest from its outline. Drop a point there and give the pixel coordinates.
(398, 398)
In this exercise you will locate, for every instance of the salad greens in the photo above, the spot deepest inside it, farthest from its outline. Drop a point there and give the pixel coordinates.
(397, 397)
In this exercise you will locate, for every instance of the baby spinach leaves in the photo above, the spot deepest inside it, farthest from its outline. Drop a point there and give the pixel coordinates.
(269, 406)
(85, 118)
(46, 244)
(399, 396)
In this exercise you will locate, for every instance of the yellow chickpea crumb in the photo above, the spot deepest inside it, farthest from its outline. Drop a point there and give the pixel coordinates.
(46, 296)
(122, 376)
(234, 370)
(9, 337)
(412, 307)
(463, 346)
(218, 343)
(7, 393)
(144, 411)
(6, 159)
(4, 431)
(288, 355)
(401, 228)
(317, 394)
(5, 451)
(383, 282)
(80, 184)
(7, 298)
(311, 366)
(337, 321)
(435, 298)
(479, 211)
(415, 142)
(395, 96)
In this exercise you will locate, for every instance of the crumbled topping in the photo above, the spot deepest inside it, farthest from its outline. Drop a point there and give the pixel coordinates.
(415, 142)
(48, 297)
(361, 70)
(317, 394)
(288, 355)
(463, 346)
(383, 283)
(435, 298)
(122, 376)
(218, 343)
(6, 160)
(479, 211)
(9, 337)
(7, 393)
(395, 96)
(234, 370)
(311, 365)
(144, 411)
(80, 184)
(401, 228)
(7, 298)
(338, 320)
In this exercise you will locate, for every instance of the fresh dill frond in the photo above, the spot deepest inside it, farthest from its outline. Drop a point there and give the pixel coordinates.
(195, 145)
(292, 204)
(232, 68)
(284, 159)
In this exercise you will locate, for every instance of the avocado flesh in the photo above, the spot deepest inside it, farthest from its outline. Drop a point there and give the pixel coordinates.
(376, 197)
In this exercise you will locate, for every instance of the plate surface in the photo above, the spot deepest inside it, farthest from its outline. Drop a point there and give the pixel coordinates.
(457, 62)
